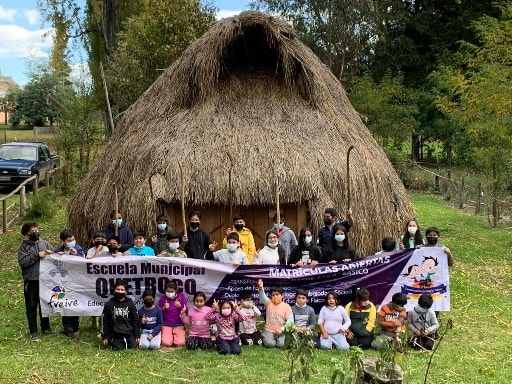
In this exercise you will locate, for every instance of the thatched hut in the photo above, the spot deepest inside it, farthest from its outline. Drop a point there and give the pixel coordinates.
(246, 105)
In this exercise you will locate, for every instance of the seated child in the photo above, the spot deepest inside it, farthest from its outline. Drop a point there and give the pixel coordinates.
(278, 313)
(120, 321)
(231, 255)
(173, 331)
(362, 315)
(100, 245)
(113, 247)
(248, 332)
(139, 245)
(70, 324)
(391, 318)
(150, 317)
(334, 323)
(303, 314)
(199, 335)
(173, 246)
(225, 318)
(422, 321)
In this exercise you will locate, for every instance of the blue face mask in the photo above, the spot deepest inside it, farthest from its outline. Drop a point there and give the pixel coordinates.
(400, 308)
(118, 221)
(71, 244)
(339, 238)
(138, 246)
(308, 239)
(420, 309)
(161, 227)
(232, 247)
(173, 246)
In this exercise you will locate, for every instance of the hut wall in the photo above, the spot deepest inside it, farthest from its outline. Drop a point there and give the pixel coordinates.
(259, 219)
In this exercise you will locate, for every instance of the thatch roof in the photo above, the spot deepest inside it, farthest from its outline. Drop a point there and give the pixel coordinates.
(250, 88)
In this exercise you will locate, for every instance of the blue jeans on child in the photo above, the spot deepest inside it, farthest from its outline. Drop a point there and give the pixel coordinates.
(338, 340)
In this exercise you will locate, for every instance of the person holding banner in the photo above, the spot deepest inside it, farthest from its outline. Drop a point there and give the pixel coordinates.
(269, 254)
(334, 323)
(339, 251)
(195, 240)
(31, 251)
(306, 252)
(99, 239)
(232, 255)
(412, 236)
(139, 245)
(120, 320)
(173, 246)
(113, 246)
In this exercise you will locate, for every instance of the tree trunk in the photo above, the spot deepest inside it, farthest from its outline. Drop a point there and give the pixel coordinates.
(415, 147)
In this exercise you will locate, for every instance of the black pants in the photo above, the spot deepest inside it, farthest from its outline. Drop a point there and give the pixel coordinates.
(364, 342)
(421, 342)
(32, 306)
(226, 347)
(70, 324)
(119, 342)
(251, 338)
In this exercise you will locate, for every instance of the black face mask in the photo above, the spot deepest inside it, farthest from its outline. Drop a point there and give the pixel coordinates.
(99, 243)
(112, 248)
(119, 295)
(239, 227)
(432, 240)
(149, 303)
(194, 224)
(327, 221)
(34, 237)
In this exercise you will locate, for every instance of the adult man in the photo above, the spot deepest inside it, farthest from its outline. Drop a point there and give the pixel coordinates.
(330, 220)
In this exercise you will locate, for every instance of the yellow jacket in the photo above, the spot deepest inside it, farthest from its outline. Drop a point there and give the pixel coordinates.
(246, 243)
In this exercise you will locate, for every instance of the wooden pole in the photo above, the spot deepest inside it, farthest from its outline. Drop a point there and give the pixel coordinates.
(478, 198)
(183, 217)
(116, 209)
(23, 202)
(232, 162)
(348, 176)
(111, 119)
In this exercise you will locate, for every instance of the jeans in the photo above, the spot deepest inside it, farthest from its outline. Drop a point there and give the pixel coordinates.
(32, 305)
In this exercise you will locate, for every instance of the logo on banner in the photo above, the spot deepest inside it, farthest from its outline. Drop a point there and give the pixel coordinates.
(58, 298)
(420, 279)
(58, 270)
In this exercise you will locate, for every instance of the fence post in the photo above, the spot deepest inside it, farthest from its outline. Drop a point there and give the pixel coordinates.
(461, 195)
(23, 202)
(478, 198)
(35, 185)
(4, 215)
(47, 180)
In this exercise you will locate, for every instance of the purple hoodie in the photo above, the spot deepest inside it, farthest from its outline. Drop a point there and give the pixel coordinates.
(171, 315)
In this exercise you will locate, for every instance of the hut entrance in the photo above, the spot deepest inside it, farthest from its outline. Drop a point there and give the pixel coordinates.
(259, 219)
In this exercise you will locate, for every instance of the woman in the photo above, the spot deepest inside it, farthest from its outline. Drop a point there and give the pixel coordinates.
(339, 251)
(306, 252)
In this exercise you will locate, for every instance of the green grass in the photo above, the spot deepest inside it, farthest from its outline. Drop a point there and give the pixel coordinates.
(476, 350)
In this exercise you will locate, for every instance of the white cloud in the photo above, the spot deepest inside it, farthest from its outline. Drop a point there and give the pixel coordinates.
(32, 16)
(7, 14)
(80, 73)
(223, 13)
(18, 42)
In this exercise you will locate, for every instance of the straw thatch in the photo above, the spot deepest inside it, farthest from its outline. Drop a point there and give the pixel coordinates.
(248, 88)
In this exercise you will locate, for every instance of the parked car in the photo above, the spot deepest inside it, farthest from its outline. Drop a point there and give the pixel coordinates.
(21, 160)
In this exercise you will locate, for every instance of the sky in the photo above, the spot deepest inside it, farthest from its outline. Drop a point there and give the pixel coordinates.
(23, 38)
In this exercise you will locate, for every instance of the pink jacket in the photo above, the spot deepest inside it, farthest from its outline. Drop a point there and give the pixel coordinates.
(199, 326)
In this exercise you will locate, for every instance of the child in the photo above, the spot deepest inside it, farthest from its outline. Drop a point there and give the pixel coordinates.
(159, 241)
(248, 332)
(412, 236)
(121, 327)
(123, 232)
(362, 315)
(388, 245)
(422, 321)
(303, 314)
(173, 331)
(278, 314)
(100, 245)
(245, 236)
(339, 250)
(334, 323)
(150, 317)
(229, 256)
(139, 245)
(269, 254)
(306, 252)
(31, 251)
(113, 247)
(225, 318)
(432, 235)
(69, 245)
(173, 246)
(199, 335)
(70, 324)
(391, 319)
(287, 238)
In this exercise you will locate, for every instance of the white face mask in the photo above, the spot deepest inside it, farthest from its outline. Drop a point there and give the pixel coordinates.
(170, 295)
(412, 230)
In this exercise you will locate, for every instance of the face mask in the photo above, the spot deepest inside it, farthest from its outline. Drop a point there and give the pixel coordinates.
(173, 246)
(170, 295)
(118, 222)
(278, 226)
(99, 243)
(226, 312)
(71, 244)
(308, 239)
(193, 224)
(276, 299)
(149, 303)
(161, 227)
(420, 310)
(112, 248)
(247, 303)
(273, 244)
(239, 227)
(327, 221)
(34, 237)
(138, 246)
(339, 238)
(412, 230)
(119, 295)
(399, 308)
(432, 240)
(232, 247)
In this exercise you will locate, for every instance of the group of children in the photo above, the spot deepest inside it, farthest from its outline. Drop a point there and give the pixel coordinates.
(228, 325)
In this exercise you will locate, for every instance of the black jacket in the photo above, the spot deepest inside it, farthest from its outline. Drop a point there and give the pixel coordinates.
(120, 319)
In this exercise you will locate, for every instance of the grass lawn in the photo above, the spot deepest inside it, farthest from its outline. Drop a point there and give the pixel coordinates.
(476, 350)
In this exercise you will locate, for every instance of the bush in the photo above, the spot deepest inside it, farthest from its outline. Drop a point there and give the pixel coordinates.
(44, 205)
